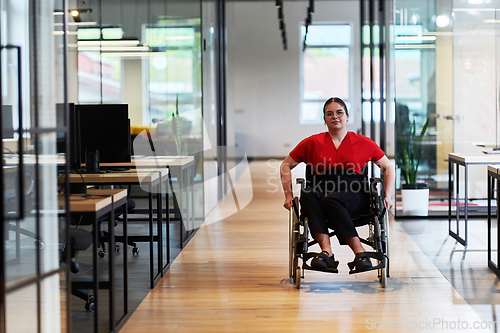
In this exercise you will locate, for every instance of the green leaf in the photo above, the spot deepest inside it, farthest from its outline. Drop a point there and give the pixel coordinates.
(410, 144)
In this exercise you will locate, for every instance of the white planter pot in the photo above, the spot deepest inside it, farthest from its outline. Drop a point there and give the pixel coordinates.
(415, 201)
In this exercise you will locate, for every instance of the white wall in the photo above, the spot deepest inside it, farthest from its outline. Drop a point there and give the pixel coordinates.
(264, 81)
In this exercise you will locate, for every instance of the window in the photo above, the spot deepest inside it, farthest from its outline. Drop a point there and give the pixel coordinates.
(326, 69)
(99, 72)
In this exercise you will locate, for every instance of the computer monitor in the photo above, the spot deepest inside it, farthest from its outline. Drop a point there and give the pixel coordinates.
(104, 134)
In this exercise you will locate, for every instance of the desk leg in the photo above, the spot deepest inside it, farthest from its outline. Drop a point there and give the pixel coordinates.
(191, 188)
(95, 270)
(498, 220)
(181, 204)
(159, 227)
(457, 199)
(125, 260)
(450, 190)
(489, 218)
(151, 237)
(167, 217)
(494, 266)
(466, 205)
(111, 274)
(165, 251)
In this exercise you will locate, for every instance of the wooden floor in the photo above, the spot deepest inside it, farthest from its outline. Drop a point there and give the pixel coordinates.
(233, 277)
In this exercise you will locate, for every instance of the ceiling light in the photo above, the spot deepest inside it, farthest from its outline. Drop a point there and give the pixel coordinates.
(120, 42)
(442, 21)
(75, 23)
(414, 46)
(114, 48)
(415, 38)
(475, 9)
(74, 13)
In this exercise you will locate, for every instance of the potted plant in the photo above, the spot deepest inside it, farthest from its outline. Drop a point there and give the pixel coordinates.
(415, 196)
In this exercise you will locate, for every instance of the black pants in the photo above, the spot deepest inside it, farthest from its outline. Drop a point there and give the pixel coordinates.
(334, 210)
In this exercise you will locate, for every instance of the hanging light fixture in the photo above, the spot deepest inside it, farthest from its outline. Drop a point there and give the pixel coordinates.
(308, 21)
(281, 19)
(310, 9)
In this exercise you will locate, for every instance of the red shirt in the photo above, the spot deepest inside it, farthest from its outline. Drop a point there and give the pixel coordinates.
(319, 152)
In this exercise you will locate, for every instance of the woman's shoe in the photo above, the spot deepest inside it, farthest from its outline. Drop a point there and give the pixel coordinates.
(323, 260)
(360, 263)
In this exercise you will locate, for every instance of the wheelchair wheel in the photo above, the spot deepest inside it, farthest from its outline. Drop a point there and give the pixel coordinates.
(291, 251)
(298, 277)
(294, 244)
(383, 273)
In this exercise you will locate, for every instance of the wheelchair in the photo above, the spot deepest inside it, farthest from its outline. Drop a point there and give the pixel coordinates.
(378, 235)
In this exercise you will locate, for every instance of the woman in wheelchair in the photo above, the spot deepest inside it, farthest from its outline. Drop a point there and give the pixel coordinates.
(335, 192)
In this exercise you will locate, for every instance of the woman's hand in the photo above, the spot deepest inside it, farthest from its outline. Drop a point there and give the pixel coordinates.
(286, 180)
(388, 202)
(288, 203)
(389, 177)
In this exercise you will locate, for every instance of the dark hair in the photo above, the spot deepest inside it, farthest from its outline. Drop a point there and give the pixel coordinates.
(336, 100)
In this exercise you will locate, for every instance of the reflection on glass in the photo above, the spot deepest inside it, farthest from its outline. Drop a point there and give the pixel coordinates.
(96, 72)
(21, 310)
(48, 203)
(50, 304)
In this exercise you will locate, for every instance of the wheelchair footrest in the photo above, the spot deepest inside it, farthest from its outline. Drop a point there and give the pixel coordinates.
(320, 269)
(310, 255)
(375, 255)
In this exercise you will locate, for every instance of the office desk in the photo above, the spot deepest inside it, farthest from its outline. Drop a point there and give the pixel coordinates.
(119, 199)
(493, 176)
(96, 208)
(463, 160)
(152, 181)
(183, 166)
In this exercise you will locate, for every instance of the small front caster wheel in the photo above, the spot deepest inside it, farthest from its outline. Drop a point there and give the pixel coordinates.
(297, 278)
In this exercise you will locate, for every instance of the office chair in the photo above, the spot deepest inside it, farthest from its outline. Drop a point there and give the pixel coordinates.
(80, 240)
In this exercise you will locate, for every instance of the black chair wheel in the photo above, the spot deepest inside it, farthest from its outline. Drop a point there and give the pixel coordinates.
(90, 305)
(101, 254)
(135, 251)
(117, 248)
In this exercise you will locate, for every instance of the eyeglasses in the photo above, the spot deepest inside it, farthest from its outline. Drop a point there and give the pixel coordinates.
(339, 113)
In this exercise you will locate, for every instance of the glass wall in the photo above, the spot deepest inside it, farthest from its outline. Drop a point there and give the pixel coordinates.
(33, 92)
(147, 54)
(445, 65)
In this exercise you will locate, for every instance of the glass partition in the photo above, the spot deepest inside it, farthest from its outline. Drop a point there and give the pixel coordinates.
(148, 55)
(32, 86)
(445, 65)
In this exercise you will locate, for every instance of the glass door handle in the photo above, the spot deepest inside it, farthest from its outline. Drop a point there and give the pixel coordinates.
(20, 145)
